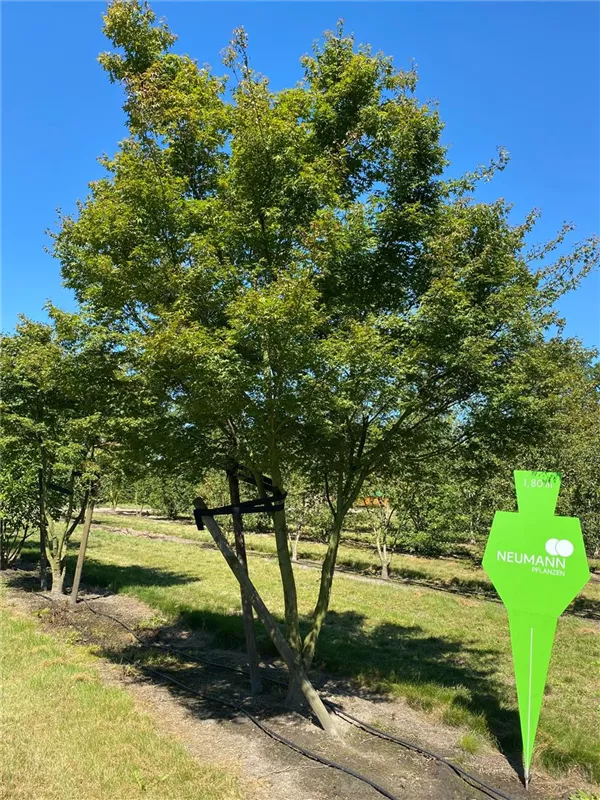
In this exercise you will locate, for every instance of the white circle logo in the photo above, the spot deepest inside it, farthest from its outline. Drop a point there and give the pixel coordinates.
(559, 547)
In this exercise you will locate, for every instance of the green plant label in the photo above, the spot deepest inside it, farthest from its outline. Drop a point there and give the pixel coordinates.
(537, 563)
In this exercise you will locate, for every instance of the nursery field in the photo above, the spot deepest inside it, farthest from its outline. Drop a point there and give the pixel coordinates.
(447, 654)
(456, 575)
(298, 315)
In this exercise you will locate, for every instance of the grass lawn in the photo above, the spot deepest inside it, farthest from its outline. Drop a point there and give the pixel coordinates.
(446, 654)
(446, 573)
(66, 735)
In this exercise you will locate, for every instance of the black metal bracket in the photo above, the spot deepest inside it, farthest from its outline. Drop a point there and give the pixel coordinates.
(60, 489)
(260, 505)
(56, 487)
(246, 476)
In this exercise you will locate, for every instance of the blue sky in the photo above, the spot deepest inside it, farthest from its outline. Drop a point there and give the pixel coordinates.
(521, 75)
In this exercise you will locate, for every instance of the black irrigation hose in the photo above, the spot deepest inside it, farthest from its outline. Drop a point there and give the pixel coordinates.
(270, 732)
(472, 780)
(476, 783)
(240, 709)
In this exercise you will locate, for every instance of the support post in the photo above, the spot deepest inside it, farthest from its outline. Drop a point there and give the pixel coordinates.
(87, 524)
(247, 615)
(293, 663)
(43, 535)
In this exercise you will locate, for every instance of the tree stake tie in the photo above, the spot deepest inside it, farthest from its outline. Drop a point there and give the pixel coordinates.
(537, 563)
(261, 505)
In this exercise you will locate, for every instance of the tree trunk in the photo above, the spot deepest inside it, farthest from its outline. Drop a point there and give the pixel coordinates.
(82, 550)
(288, 582)
(327, 572)
(295, 544)
(58, 579)
(3, 546)
(382, 553)
(56, 544)
(292, 660)
(248, 617)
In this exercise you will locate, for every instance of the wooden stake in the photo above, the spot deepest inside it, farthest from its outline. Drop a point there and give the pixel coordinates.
(248, 617)
(87, 524)
(43, 535)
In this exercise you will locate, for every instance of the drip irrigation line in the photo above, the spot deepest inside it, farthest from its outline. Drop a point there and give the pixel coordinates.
(476, 783)
(180, 650)
(472, 780)
(273, 734)
(241, 710)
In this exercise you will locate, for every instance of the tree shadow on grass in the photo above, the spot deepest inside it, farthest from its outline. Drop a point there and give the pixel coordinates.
(97, 574)
(356, 658)
(207, 692)
(369, 661)
(117, 576)
(584, 607)
(467, 587)
(428, 670)
(372, 661)
(456, 585)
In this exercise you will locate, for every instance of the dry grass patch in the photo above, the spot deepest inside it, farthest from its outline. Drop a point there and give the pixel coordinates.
(65, 734)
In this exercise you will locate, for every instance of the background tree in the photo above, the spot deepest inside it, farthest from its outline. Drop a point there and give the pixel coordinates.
(36, 409)
(452, 502)
(306, 511)
(572, 444)
(381, 511)
(64, 399)
(167, 492)
(19, 512)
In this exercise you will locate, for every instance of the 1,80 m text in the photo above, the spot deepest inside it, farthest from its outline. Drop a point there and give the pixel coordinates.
(537, 483)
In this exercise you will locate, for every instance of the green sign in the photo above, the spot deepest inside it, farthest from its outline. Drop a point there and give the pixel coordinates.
(537, 563)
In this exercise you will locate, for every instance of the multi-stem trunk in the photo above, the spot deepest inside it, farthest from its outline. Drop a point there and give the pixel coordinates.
(346, 495)
(57, 539)
(58, 579)
(55, 547)
(292, 659)
(89, 512)
(56, 543)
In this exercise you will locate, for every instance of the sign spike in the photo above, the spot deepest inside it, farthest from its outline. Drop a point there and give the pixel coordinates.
(537, 563)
